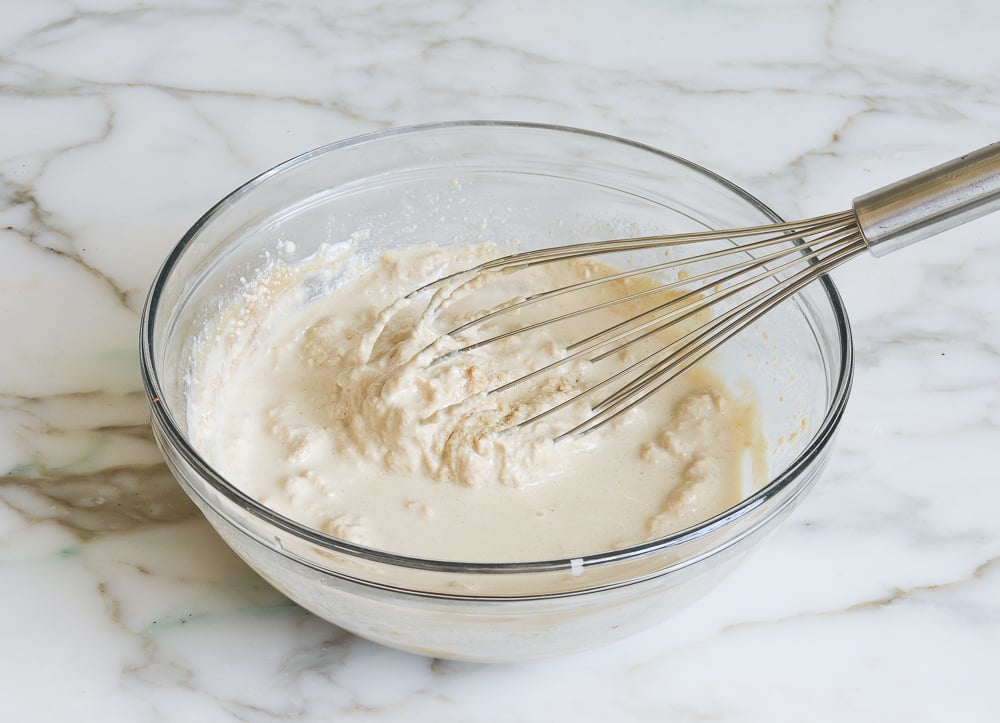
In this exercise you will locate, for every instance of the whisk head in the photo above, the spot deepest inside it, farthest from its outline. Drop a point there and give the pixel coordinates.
(668, 315)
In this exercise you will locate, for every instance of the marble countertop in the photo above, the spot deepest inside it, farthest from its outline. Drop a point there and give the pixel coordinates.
(879, 599)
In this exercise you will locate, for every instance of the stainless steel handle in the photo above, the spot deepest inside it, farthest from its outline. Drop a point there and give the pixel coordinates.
(930, 202)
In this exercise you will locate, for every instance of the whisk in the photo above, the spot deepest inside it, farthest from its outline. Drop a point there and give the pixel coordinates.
(772, 263)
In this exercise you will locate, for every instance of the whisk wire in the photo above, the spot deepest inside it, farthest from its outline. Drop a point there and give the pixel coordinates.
(656, 378)
(687, 350)
(830, 228)
(704, 332)
(700, 300)
(820, 244)
(593, 248)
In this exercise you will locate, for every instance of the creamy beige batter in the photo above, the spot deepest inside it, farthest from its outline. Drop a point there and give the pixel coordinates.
(331, 409)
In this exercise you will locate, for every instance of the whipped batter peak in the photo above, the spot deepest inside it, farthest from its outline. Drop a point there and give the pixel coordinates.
(330, 397)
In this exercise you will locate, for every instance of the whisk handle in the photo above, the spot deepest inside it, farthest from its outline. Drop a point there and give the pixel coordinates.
(930, 202)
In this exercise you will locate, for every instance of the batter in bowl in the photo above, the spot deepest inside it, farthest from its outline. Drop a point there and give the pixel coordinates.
(322, 392)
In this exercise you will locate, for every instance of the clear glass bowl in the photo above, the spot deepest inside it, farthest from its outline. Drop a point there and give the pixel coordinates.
(461, 182)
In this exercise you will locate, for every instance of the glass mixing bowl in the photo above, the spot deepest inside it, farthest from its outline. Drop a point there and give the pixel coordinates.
(489, 181)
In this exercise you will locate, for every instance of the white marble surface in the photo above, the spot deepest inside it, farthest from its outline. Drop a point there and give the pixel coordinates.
(122, 121)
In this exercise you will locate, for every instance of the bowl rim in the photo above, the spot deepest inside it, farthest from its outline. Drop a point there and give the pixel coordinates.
(165, 418)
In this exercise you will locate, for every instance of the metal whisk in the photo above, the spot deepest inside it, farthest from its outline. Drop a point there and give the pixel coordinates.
(773, 262)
